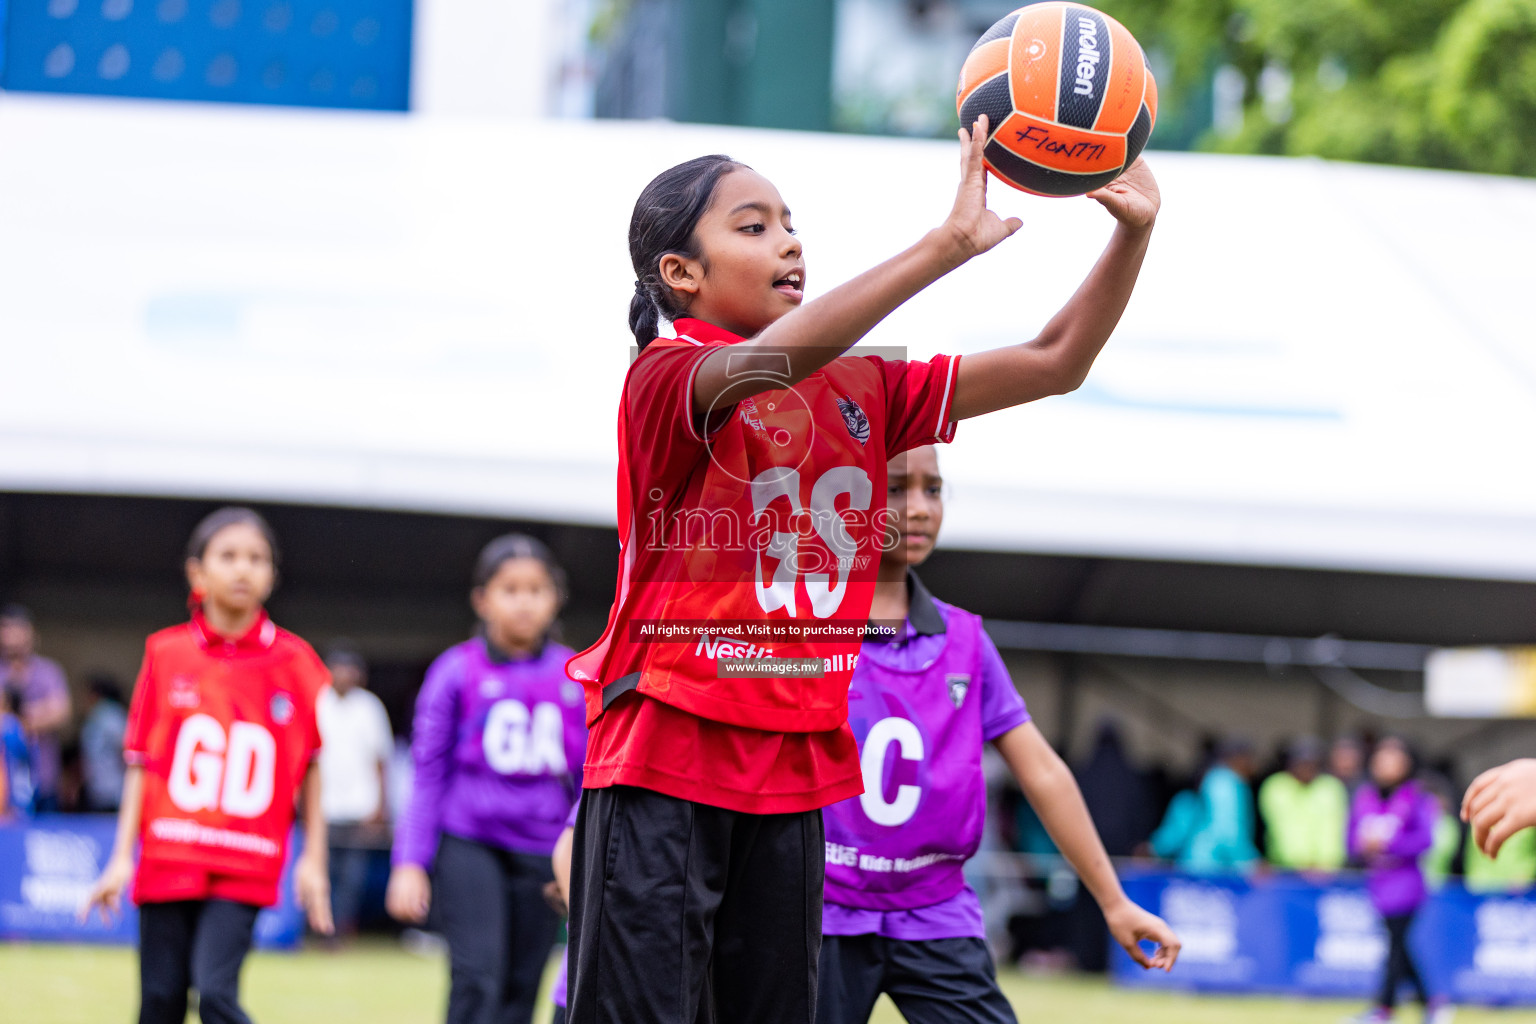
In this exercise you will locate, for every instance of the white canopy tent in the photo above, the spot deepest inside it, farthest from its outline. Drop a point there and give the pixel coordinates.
(1325, 365)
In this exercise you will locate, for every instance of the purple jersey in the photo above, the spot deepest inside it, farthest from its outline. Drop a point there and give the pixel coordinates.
(498, 745)
(921, 708)
(1403, 823)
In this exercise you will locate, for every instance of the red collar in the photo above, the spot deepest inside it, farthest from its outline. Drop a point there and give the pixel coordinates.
(260, 637)
(701, 333)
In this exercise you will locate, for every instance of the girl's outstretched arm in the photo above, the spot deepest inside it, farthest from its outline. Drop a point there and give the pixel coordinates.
(806, 339)
(1058, 360)
(1052, 791)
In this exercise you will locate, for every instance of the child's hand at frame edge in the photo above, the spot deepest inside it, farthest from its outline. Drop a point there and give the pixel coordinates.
(1501, 802)
(1130, 924)
(1133, 198)
(312, 888)
(973, 228)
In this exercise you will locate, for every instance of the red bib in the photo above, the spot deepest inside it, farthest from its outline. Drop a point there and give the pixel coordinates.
(225, 731)
(772, 516)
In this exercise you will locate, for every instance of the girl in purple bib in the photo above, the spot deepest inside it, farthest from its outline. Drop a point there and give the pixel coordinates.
(1391, 825)
(899, 917)
(498, 743)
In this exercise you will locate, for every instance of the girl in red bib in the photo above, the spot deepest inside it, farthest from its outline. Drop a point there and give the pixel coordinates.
(752, 469)
(221, 739)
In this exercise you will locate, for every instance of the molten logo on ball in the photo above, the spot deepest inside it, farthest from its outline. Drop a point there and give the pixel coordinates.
(1087, 55)
(1067, 95)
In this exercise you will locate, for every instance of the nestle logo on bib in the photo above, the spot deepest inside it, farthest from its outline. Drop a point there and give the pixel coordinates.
(1088, 55)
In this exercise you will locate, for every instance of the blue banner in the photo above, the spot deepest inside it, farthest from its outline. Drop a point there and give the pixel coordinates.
(1287, 934)
(353, 54)
(47, 868)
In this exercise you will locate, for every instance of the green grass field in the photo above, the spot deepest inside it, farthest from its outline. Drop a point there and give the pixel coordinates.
(380, 984)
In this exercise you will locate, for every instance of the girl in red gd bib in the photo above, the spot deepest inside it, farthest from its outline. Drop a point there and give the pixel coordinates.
(221, 738)
(752, 458)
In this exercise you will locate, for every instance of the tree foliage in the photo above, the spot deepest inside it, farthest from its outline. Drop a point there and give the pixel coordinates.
(1430, 83)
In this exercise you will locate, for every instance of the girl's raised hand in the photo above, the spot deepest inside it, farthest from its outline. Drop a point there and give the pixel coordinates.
(107, 894)
(974, 228)
(1133, 197)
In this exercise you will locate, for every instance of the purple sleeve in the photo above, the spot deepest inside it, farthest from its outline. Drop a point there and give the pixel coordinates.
(1418, 831)
(1002, 707)
(433, 731)
(570, 819)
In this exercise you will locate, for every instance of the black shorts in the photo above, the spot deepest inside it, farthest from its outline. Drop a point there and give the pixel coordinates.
(685, 913)
(934, 981)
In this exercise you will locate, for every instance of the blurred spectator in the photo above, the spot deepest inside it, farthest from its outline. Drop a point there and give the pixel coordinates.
(1440, 859)
(1211, 831)
(1119, 799)
(1391, 825)
(1346, 762)
(42, 694)
(101, 744)
(15, 760)
(1116, 792)
(1305, 812)
(1514, 870)
(356, 746)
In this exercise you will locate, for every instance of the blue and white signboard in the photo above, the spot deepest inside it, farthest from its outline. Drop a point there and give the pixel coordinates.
(1288, 934)
(47, 867)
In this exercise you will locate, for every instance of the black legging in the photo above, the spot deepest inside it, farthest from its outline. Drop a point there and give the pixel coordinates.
(1400, 965)
(490, 905)
(198, 944)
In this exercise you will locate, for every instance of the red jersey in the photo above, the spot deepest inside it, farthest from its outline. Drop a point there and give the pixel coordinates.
(769, 519)
(225, 731)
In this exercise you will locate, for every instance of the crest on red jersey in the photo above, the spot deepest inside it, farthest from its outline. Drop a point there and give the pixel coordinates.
(854, 419)
(184, 692)
(959, 683)
(281, 708)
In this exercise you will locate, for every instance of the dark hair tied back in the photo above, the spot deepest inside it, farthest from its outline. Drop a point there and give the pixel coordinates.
(518, 545)
(230, 515)
(664, 220)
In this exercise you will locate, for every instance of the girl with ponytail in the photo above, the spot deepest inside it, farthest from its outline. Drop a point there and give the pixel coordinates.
(752, 465)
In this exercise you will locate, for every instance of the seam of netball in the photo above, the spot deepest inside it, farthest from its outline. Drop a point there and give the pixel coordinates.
(1013, 99)
(1054, 170)
(992, 128)
(1146, 73)
(1061, 64)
